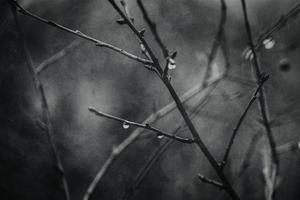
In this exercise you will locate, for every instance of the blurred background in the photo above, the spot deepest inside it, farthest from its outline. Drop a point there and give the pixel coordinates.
(98, 77)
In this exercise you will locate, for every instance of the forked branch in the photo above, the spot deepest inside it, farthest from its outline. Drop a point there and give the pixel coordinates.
(190, 94)
(240, 121)
(181, 108)
(153, 29)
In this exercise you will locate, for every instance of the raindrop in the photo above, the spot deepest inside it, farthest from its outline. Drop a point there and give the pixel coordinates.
(171, 64)
(248, 54)
(269, 43)
(125, 125)
(142, 47)
(159, 136)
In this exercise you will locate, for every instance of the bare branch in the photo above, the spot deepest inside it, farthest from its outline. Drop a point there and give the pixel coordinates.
(153, 29)
(42, 66)
(46, 114)
(238, 125)
(140, 36)
(137, 132)
(211, 181)
(144, 126)
(160, 151)
(80, 34)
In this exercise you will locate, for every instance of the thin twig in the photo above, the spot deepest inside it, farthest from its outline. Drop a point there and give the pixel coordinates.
(292, 14)
(153, 29)
(46, 114)
(262, 97)
(80, 34)
(57, 56)
(241, 119)
(127, 123)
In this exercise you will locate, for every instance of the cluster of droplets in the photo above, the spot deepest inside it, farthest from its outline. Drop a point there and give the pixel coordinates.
(126, 125)
(171, 61)
(171, 64)
(268, 43)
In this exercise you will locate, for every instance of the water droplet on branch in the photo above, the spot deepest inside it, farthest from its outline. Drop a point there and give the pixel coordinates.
(171, 63)
(143, 48)
(268, 43)
(125, 125)
(248, 54)
(159, 136)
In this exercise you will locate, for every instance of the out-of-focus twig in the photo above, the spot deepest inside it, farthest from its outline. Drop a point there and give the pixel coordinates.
(240, 80)
(262, 100)
(80, 34)
(241, 119)
(54, 58)
(218, 40)
(45, 109)
(127, 123)
(288, 147)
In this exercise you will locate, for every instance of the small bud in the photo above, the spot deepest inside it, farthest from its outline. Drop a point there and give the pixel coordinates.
(142, 32)
(122, 2)
(265, 77)
(174, 54)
